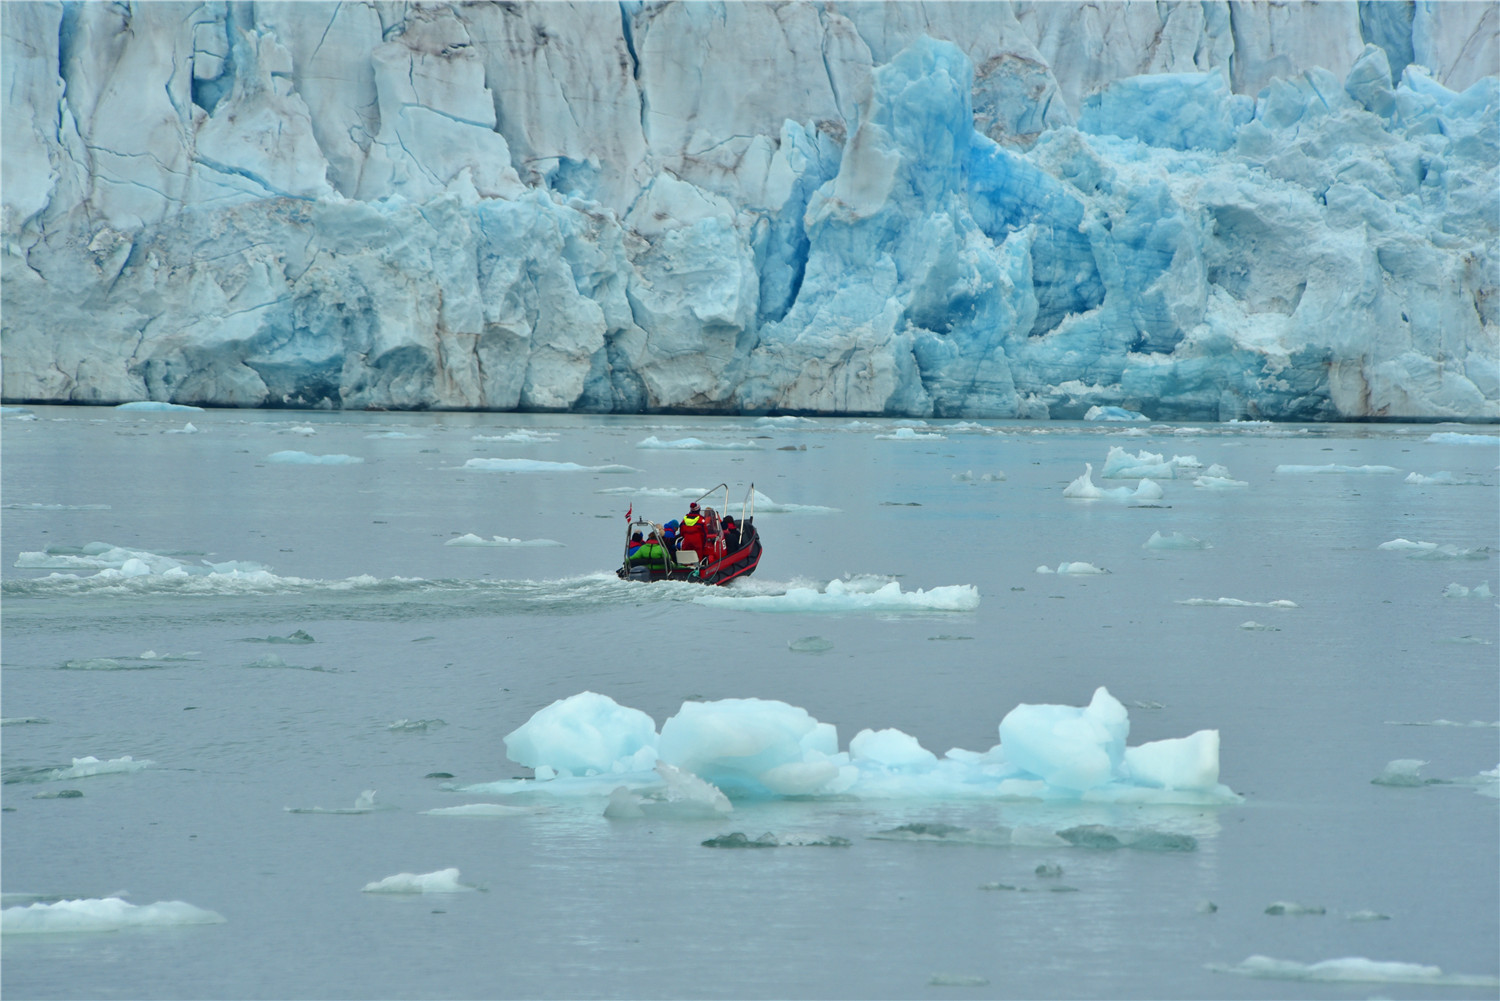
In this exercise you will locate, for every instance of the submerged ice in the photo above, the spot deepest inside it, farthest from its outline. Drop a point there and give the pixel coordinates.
(588, 745)
(988, 210)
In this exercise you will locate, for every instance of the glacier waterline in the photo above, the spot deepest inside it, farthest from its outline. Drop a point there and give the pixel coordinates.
(934, 209)
(1303, 710)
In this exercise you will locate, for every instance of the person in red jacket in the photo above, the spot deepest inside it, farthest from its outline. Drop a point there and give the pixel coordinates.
(690, 531)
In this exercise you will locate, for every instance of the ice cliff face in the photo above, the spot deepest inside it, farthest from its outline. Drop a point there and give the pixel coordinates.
(1200, 210)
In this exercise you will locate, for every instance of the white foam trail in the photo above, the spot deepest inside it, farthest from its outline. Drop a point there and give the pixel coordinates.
(839, 596)
(697, 445)
(100, 915)
(293, 457)
(442, 881)
(499, 541)
(540, 466)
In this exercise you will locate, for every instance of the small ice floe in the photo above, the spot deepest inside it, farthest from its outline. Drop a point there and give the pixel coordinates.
(415, 725)
(520, 437)
(1083, 488)
(682, 795)
(1441, 722)
(297, 636)
(392, 435)
(698, 445)
(100, 915)
(1258, 627)
(187, 428)
(1109, 838)
(1456, 590)
(540, 466)
(499, 541)
(55, 507)
(1334, 467)
(738, 839)
(1290, 908)
(60, 794)
(1455, 438)
(1121, 465)
(295, 458)
(841, 596)
(90, 766)
(810, 644)
(1237, 603)
(480, 810)
(1404, 772)
(156, 406)
(1113, 414)
(968, 477)
(1352, 970)
(1095, 836)
(365, 803)
(442, 881)
(1434, 551)
(1216, 477)
(788, 421)
(910, 434)
(1442, 479)
(302, 429)
(1174, 541)
(274, 662)
(957, 980)
(1366, 916)
(1073, 568)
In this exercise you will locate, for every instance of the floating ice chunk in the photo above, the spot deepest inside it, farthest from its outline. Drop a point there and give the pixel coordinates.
(1449, 552)
(363, 803)
(1237, 603)
(1066, 747)
(1113, 414)
(1254, 626)
(1218, 482)
(1366, 916)
(785, 422)
(969, 477)
(295, 458)
(393, 435)
(415, 725)
(890, 749)
(1403, 772)
(1334, 467)
(187, 428)
(540, 466)
(1455, 438)
(1109, 838)
(442, 881)
(154, 405)
(1406, 544)
(1442, 479)
(1459, 591)
(683, 795)
(302, 430)
(839, 596)
(1121, 465)
(951, 834)
(100, 915)
(1174, 541)
(1353, 970)
(1083, 488)
(738, 839)
(522, 436)
(1190, 762)
(752, 747)
(479, 810)
(910, 434)
(471, 540)
(1287, 907)
(89, 766)
(810, 644)
(585, 734)
(1073, 568)
(697, 445)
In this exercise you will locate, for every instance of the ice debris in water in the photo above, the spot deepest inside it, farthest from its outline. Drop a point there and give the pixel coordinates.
(738, 839)
(299, 636)
(479, 810)
(810, 644)
(442, 881)
(416, 725)
(187, 428)
(957, 980)
(1442, 479)
(1238, 603)
(698, 445)
(1095, 836)
(1174, 541)
(681, 795)
(1113, 414)
(100, 915)
(1334, 467)
(1218, 478)
(363, 803)
(541, 466)
(969, 477)
(1288, 907)
(588, 745)
(910, 434)
(1083, 488)
(296, 458)
(1456, 438)
(1352, 970)
(1258, 627)
(90, 766)
(1121, 465)
(499, 541)
(845, 596)
(521, 436)
(1403, 772)
(1434, 551)
(1073, 568)
(155, 406)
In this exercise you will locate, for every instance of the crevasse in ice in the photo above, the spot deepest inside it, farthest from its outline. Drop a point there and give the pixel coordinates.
(758, 748)
(988, 210)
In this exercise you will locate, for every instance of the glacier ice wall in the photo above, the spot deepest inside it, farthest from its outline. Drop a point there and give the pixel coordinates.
(1196, 210)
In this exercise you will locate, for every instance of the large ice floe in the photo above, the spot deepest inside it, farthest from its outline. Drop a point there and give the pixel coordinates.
(1005, 209)
(107, 914)
(711, 753)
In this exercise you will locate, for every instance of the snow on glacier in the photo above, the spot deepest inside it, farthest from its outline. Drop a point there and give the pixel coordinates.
(1283, 223)
(589, 746)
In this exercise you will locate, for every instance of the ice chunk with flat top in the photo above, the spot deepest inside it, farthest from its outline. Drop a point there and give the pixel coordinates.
(585, 734)
(442, 881)
(1068, 748)
(99, 915)
(752, 747)
(1190, 762)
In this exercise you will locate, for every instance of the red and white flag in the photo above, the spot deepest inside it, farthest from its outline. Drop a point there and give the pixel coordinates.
(629, 513)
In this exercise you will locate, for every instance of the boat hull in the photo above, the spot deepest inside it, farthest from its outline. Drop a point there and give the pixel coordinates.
(731, 566)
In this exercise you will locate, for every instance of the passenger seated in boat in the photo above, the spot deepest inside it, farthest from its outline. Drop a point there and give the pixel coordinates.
(635, 543)
(669, 537)
(649, 554)
(731, 534)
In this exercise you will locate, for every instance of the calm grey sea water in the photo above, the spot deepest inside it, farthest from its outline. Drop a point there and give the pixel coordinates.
(1368, 668)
